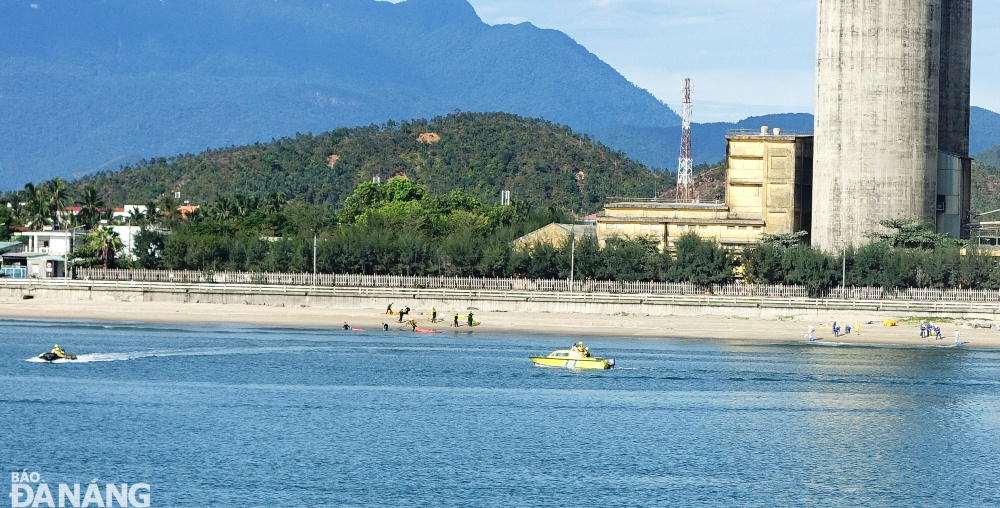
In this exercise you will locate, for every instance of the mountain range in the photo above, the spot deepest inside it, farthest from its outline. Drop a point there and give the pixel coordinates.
(99, 82)
(90, 85)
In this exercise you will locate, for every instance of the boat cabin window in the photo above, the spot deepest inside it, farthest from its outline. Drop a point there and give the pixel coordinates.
(560, 354)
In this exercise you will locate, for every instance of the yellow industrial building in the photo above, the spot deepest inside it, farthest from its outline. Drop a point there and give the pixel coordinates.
(768, 190)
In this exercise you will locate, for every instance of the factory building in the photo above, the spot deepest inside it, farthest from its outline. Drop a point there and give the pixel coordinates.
(892, 117)
(768, 191)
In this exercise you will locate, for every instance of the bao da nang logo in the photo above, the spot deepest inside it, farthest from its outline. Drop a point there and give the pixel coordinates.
(28, 489)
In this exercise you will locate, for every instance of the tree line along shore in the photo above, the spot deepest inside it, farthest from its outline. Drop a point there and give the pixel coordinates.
(401, 228)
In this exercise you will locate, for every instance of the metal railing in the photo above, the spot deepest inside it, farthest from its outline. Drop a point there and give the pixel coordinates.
(770, 132)
(662, 200)
(745, 299)
(14, 272)
(532, 285)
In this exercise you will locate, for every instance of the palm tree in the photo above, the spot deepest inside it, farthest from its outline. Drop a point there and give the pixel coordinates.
(29, 192)
(168, 207)
(105, 244)
(17, 209)
(58, 195)
(245, 205)
(274, 202)
(73, 221)
(136, 217)
(37, 212)
(153, 213)
(107, 214)
(91, 204)
(223, 208)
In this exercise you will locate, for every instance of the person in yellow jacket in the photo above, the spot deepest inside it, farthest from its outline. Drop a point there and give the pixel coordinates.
(56, 350)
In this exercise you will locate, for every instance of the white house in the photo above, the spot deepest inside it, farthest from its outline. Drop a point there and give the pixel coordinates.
(127, 235)
(45, 254)
(55, 243)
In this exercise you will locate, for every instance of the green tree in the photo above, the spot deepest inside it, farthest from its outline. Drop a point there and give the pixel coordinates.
(701, 261)
(274, 202)
(91, 205)
(783, 259)
(38, 212)
(58, 195)
(812, 268)
(6, 221)
(170, 208)
(222, 209)
(632, 259)
(105, 243)
(909, 233)
(147, 246)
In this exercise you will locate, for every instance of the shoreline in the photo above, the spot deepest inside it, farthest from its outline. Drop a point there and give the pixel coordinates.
(792, 329)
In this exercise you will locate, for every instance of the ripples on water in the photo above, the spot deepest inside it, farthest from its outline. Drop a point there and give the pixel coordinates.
(285, 417)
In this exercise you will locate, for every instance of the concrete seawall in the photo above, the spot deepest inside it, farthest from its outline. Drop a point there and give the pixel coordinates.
(454, 300)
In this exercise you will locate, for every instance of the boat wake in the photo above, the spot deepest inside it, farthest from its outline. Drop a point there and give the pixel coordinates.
(98, 357)
(135, 355)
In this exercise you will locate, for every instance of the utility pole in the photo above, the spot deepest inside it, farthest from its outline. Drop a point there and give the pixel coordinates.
(572, 255)
(69, 247)
(843, 269)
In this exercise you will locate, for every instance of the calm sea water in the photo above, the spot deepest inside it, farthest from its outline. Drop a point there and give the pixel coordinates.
(213, 416)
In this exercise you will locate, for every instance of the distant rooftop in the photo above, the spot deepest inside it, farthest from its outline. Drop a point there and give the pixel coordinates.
(583, 229)
(663, 202)
(7, 245)
(765, 131)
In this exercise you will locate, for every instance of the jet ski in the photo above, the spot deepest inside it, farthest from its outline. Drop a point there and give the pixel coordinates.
(49, 356)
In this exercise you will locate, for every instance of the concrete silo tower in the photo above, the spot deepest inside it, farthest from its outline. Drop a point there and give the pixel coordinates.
(892, 116)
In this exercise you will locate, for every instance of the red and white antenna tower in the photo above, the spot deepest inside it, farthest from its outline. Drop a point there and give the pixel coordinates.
(684, 165)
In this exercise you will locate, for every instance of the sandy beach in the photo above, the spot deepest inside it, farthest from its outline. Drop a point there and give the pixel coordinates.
(708, 327)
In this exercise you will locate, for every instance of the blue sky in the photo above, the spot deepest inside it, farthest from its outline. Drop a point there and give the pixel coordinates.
(745, 57)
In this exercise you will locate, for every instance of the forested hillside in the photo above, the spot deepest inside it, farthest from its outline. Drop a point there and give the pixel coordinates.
(88, 83)
(482, 154)
(989, 156)
(984, 131)
(985, 188)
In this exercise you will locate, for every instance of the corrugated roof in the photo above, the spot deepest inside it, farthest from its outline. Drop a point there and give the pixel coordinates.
(6, 245)
(580, 229)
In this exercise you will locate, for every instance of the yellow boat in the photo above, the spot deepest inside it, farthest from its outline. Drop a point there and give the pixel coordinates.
(576, 357)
